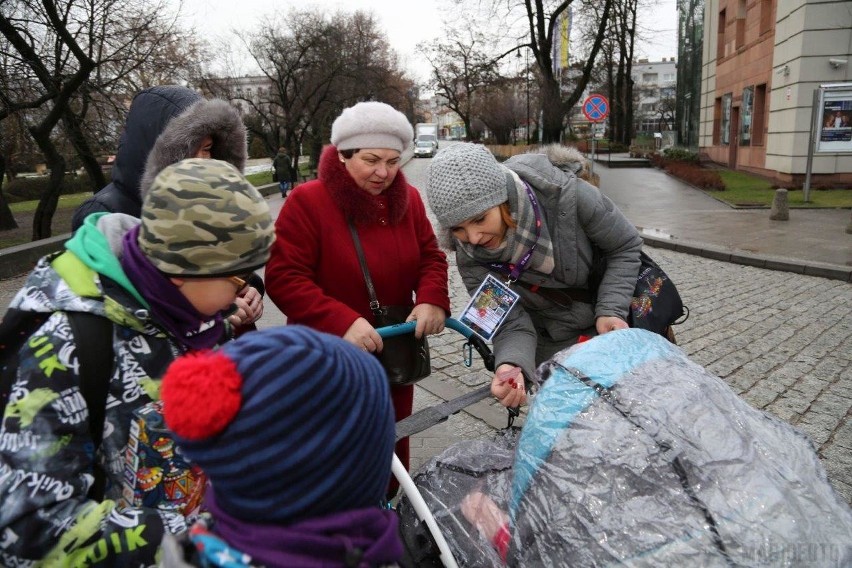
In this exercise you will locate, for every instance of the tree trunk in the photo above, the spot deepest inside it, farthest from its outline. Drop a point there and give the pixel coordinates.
(84, 150)
(43, 217)
(552, 110)
(7, 220)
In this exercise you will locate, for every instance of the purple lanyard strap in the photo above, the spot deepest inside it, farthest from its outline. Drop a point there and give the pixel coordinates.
(515, 270)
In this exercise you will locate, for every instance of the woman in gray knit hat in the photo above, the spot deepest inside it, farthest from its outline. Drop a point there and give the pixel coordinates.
(533, 220)
(314, 275)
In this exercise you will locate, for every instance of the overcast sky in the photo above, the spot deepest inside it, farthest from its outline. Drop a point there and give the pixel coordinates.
(405, 22)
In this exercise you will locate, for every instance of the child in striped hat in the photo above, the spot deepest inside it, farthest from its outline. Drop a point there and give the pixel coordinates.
(295, 431)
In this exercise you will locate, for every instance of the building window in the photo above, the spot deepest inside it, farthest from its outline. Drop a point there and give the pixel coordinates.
(725, 124)
(746, 114)
(766, 15)
(758, 115)
(717, 119)
(720, 36)
(649, 78)
(741, 21)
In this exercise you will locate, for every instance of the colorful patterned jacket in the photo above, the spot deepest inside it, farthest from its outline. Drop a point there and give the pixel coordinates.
(47, 455)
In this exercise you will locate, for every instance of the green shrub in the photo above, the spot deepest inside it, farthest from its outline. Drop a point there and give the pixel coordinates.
(29, 188)
(680, 155)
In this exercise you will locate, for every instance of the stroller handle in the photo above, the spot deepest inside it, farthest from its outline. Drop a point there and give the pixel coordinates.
(474, 340)
(408, 327)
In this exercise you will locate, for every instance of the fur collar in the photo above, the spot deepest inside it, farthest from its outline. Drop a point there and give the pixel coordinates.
(356, 203)
(184, 134)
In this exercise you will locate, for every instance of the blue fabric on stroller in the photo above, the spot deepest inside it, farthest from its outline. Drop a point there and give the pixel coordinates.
(632, 453)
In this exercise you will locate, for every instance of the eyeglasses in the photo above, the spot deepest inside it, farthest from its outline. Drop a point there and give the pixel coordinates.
(240, 282)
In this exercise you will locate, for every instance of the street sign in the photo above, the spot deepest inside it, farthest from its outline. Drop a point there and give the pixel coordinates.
(595, 108)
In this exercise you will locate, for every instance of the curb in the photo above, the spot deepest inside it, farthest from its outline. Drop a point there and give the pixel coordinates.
(784, 264)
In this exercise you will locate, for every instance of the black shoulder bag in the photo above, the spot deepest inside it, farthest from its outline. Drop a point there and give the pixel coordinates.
(404, 357)
(656, 304)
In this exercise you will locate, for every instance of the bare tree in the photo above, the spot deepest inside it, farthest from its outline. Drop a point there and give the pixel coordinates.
(315, 65)
(69, 55)
(462, 67)
(541, 19)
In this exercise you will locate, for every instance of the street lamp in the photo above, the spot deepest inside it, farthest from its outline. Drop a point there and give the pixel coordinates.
(527, 84)
(527, 78)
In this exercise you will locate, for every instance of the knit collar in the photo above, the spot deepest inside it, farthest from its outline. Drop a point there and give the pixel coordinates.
(356, 203)
(369, 535)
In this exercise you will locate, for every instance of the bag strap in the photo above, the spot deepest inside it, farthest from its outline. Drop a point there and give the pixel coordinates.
(91, 333)
(561, 296)
(371, 290)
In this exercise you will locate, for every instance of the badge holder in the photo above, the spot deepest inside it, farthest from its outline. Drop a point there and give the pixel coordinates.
(488, 307)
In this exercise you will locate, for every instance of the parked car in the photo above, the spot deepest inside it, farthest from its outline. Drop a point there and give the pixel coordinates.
(424, 149)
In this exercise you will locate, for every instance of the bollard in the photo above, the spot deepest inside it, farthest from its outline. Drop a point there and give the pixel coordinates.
(780, 208)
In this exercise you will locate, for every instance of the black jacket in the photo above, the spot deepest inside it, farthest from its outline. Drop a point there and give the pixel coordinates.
(150, 112)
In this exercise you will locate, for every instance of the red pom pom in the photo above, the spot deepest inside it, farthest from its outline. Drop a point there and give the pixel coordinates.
(201, 394)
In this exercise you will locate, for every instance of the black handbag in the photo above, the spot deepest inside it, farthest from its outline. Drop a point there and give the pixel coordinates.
(656, 304)
(404, 357)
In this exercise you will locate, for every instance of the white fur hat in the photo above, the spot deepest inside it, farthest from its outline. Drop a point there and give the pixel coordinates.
(371, 125)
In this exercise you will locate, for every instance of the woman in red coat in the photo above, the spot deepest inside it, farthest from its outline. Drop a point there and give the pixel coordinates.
(313, 274)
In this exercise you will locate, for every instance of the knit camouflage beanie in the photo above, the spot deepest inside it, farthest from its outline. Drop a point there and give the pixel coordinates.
(202, 218)
(465, 180)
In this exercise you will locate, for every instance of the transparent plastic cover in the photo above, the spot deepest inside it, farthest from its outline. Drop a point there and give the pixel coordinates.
(633, 454)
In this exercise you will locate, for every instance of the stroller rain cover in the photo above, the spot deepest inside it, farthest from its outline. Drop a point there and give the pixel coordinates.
(634, 455)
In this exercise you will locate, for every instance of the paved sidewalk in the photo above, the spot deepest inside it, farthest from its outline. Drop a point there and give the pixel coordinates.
(672, 214)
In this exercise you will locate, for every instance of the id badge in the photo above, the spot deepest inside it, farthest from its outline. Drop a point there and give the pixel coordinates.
(488, 307)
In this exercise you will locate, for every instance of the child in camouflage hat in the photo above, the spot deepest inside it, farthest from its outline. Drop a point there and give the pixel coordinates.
(163, 283)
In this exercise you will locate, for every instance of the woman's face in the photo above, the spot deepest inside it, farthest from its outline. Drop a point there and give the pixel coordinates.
(211, 295)
(373, 169)
(205, 149)
(486, 230)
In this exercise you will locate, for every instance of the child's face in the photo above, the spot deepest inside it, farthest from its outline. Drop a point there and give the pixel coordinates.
(211, 295)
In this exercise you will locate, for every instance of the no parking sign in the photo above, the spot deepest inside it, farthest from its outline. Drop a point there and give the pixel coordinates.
(595, 108)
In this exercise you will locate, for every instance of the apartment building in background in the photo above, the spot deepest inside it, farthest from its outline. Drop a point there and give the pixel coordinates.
(762, 62)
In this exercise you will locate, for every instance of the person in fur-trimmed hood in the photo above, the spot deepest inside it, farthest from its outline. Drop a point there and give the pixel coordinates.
(150, 112)
(207, 129)
(536, 220)
(314, 275)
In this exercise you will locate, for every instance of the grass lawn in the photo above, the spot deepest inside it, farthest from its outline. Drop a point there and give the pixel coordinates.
(24, 211)
(743, 189)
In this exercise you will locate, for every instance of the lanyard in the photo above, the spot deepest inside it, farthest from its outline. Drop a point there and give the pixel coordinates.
(514, 270)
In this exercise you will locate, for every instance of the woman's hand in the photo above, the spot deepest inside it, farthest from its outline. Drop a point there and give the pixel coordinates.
(249, 307)
(507, 386)
(605, 324)
(363, 335)
(430, 319)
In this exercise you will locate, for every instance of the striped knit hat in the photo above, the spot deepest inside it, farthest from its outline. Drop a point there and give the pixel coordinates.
(288, 423)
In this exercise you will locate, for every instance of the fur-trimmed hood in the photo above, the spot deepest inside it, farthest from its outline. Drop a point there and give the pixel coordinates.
(183, 136)
(566, 158)
(356, 203)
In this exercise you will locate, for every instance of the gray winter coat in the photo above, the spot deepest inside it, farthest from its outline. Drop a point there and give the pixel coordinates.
(576, 215)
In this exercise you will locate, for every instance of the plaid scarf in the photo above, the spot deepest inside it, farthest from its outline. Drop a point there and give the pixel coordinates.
(518, 240)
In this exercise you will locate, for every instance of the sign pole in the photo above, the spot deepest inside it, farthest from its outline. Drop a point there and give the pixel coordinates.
(595, 109)
(806, 188)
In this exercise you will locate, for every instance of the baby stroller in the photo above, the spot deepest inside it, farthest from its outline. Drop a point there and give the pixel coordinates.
(632, 454)
(430, 537)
